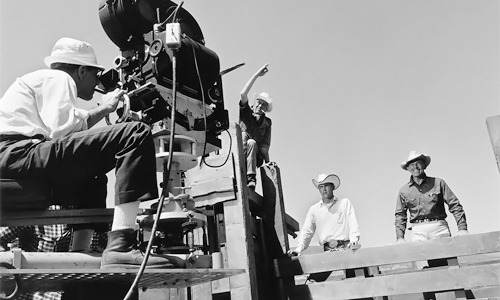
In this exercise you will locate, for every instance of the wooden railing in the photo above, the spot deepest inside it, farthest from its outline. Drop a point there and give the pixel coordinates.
(463, 267)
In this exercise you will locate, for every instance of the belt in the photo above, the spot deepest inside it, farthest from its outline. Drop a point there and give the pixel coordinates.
(335, 245)
(425, 220)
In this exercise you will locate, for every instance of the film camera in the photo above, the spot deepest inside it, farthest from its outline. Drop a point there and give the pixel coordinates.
(164, 65)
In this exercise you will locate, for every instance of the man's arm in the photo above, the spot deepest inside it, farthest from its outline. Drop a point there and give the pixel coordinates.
(354, 233)
(455, 208)
(401, 219)
(244, 92)
(110, 102)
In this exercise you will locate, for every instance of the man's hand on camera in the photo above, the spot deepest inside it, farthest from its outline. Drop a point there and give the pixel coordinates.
(111, 99)
(292, 253)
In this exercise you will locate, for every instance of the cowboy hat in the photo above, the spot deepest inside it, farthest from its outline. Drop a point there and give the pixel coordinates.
(265, 97)
(71, 51)
(323, 178)
(413, 156)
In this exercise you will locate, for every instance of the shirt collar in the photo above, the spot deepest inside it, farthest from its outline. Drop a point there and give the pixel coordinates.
(412, 182)
(328, 205)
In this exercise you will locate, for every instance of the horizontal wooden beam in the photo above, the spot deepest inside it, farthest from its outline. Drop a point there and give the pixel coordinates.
(65, 216)
(418, 282)
(292, 225)
(413, 251)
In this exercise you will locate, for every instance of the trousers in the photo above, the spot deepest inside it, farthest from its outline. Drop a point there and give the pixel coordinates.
(69, 163)
(253, 155)
(429, 231)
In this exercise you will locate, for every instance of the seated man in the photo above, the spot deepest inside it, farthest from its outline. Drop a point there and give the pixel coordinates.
(255, 127)
(44, 136)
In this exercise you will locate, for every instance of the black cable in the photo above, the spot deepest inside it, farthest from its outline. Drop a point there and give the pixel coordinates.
(228, 153)
(176, 10)
(166, 178)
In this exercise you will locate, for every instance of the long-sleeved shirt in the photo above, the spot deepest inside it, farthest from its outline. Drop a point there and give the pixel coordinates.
(30, 104)
(426, 201)
(330, 224)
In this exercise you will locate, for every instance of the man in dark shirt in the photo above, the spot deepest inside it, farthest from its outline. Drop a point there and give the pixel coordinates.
(425, 197)
(255, 127)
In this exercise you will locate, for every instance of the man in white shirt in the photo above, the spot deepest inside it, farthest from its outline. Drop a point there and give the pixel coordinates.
(333, 219)
(45, 137)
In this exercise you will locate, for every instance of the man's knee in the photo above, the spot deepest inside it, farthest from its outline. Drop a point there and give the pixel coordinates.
(138, 128)
(251, 144)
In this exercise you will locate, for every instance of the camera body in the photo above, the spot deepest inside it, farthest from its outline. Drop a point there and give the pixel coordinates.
(144, 32)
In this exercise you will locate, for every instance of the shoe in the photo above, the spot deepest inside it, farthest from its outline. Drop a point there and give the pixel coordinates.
(122, 252)
(251, 181)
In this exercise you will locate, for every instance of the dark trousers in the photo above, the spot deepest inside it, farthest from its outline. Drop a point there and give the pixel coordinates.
(69, 163)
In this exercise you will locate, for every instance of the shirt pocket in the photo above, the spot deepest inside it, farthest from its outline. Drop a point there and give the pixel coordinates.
(410, 202)
(340, 217)
(433, 195)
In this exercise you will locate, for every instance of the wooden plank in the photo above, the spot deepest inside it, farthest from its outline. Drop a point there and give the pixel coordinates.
(214, 198)
(221, 285)
(239, 246)
(274, 209)
(65, 216)
(201, 291)
(256, 202)
(292, 226)
(213, 186)
(493, 125)
(418, 282)
(488, 292)
(471, 244)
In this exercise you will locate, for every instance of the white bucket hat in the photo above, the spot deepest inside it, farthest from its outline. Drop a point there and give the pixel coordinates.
(413, 156)
(323, 178)
(265, 97)
(71, 51)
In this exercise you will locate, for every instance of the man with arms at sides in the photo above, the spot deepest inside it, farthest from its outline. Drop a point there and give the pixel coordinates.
(255, 127)
(332, 218)
(424, 197)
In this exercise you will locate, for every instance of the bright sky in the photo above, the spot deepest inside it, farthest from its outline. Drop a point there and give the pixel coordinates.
(356, 86)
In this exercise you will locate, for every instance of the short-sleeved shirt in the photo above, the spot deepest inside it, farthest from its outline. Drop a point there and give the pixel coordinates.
(259, 130)
(42, 102)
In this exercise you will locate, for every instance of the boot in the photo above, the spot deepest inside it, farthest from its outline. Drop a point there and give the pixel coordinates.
(121, 252)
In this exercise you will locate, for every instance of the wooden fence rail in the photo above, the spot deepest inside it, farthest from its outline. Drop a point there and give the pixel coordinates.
(465, 267)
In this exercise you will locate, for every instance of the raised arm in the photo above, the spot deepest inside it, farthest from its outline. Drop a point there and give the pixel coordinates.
(248, 86)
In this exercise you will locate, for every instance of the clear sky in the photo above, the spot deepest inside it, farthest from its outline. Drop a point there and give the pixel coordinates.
(356, 85)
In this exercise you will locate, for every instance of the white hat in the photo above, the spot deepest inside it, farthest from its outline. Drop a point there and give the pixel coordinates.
(71, 51)
(323, 178)
(413, 156)
(265, 97)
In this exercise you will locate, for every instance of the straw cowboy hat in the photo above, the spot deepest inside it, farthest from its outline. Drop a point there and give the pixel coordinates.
(413, 156)
(265, 97)
(71, 51)
(323, 178)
